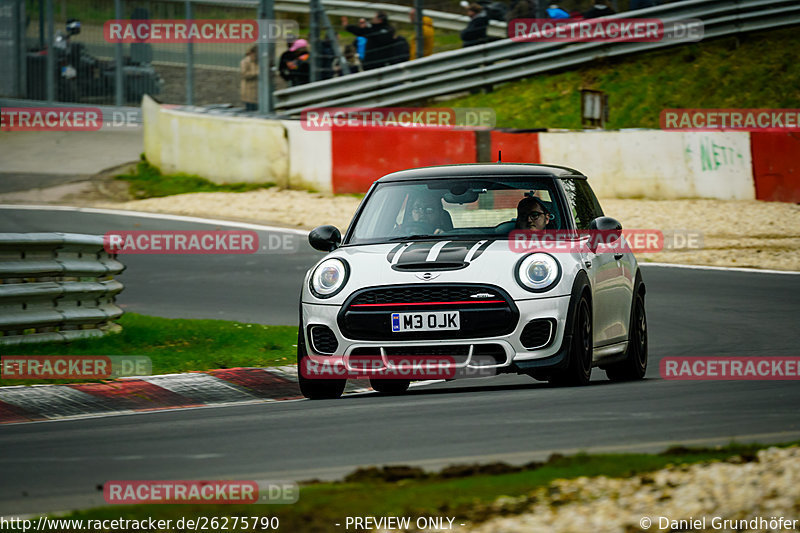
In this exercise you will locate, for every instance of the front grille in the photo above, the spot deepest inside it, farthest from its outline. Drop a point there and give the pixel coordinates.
(323, 340)
(426, 294)
(538, 333)
(484, 310)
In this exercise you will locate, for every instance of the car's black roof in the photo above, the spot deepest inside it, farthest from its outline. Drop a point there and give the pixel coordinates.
(482, 170)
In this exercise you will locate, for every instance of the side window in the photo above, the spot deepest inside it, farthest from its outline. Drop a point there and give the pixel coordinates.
(582, 202)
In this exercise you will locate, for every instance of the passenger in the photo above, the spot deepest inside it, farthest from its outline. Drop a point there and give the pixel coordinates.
(532, 214)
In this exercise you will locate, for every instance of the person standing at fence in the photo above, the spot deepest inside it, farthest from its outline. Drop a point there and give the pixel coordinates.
(352, 59)
(288, 55)
(427, 35)
(475, 32)
(380, 48)
(249, 72)
(300, 64)
(599, 9)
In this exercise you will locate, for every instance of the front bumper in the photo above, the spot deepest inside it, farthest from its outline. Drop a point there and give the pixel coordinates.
(503, 352)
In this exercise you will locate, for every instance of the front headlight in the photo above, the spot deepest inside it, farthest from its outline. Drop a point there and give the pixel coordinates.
(538, 272)
(329, 277)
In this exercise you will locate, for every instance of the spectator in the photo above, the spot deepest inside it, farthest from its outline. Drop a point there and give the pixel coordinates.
(352, 62)
(641, 4)
(427, 36)
(379, 49)
(555, 12)
(523, 9)
(600, 9)
(299, 66)
(475, 32)
(401, 51)
(249, 85)
(283, 69)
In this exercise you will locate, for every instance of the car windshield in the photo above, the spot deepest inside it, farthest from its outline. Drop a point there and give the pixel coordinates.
(452, 209)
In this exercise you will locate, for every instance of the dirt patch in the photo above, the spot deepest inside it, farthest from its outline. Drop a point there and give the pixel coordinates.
(733, 233)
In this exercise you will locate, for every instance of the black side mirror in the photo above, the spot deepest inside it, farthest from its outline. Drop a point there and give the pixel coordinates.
(325, 238)
(608, 229)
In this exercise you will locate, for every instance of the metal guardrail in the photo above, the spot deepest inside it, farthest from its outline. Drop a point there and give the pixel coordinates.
(503, 61)
(56, 287)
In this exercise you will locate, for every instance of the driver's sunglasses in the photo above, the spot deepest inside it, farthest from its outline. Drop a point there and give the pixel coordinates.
(536, 214)
(425, 210)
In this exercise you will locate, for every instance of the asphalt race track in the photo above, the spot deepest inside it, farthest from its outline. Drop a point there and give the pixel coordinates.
(691, 312)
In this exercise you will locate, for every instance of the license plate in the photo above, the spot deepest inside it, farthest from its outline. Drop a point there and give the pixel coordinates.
(431, 321)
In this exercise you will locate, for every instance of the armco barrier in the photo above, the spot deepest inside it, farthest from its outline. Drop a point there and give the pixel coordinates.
(223, 149)
(56, 287)
(776, 165)
(361, 155)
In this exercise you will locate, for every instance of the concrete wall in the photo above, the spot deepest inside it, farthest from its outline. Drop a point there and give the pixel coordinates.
(650, 164)
(219, 148)
(656, 164)
(310, 160)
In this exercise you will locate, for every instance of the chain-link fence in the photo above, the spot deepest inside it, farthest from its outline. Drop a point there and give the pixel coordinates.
(87, 67)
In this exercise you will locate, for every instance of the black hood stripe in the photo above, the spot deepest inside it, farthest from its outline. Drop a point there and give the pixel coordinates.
(394, 251)
(451, 252)
(481, 249)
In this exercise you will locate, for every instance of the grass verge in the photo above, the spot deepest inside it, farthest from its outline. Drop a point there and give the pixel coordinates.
(148, 182)
(180, 345)
(747, 71)
(468, 493)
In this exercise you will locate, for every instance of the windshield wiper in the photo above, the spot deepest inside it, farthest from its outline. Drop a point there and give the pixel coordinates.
(415, 238)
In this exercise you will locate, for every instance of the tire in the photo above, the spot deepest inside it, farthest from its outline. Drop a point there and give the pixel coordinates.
(315, 389)
(579, 369)
(389, 386)
(634, 366)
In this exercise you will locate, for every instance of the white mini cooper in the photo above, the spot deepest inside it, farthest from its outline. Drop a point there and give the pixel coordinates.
(430, 266)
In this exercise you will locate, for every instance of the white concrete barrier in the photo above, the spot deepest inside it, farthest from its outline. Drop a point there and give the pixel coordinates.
(657, 165)
(310, 158)
(219, 148)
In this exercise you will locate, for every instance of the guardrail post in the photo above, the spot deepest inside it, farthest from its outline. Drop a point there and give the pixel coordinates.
(50, 63)
(118, 74)
(189, 59)
(266, 53)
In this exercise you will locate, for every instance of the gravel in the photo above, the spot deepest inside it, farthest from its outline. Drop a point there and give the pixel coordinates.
(768, 488)
(733, 233)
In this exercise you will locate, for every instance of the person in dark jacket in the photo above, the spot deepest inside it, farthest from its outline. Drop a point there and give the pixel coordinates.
(475, 32)
(380, 47)
(600, 9)
(283, 69)
(299, 66)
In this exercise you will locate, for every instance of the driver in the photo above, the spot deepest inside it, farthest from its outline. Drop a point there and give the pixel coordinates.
(427, 217)
(532, 214)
